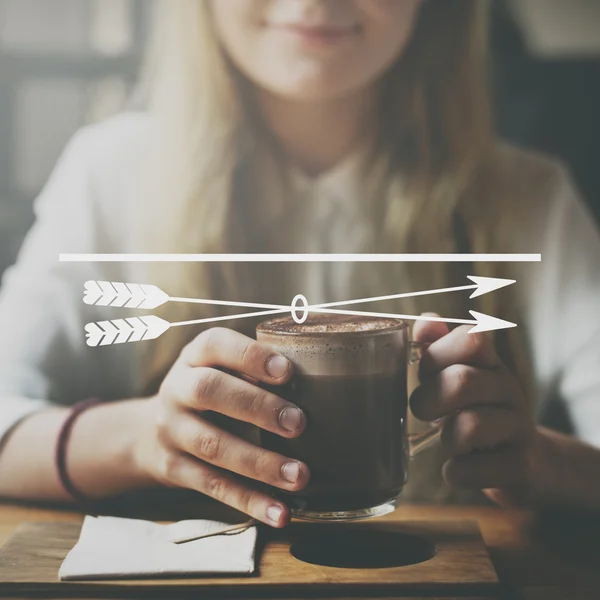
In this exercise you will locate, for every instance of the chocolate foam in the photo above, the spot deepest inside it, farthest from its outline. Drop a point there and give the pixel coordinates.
(336, 345)
(330, 324)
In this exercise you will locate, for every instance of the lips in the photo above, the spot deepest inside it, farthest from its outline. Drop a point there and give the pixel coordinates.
(318, 34)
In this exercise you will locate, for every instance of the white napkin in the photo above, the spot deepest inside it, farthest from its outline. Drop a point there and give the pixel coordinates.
(114, 548)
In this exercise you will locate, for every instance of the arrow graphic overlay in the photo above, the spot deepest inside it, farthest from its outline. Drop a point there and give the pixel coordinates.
(482, 322)
(121, 331)
(132, 295)
(483, 285)
(129, 295)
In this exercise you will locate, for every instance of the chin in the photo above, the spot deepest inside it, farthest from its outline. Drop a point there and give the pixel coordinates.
(312, 90)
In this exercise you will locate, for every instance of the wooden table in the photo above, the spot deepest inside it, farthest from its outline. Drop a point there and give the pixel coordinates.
(553, 559)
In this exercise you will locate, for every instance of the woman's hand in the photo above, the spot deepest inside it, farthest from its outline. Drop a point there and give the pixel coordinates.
(180, 447)
(488, 428)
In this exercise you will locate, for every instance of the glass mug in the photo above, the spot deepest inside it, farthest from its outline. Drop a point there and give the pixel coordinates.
(350, 379)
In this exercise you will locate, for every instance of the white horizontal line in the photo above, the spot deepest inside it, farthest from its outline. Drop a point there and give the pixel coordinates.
(296, 258)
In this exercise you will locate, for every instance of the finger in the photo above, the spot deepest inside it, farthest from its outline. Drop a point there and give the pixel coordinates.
(482, 429)
(484, 470)
(206, 389)
(219, 347)
(458, 387)
(459, 347)
(429, 331)
(187, 472)
(220, 448)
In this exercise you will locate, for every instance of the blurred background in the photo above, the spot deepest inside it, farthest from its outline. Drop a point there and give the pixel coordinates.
(65, 63)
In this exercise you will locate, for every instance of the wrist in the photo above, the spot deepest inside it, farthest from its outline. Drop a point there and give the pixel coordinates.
(102, 458)
(139, 450)
(547, 482)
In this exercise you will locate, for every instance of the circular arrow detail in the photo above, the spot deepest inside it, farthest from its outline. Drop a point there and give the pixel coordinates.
(300, 299)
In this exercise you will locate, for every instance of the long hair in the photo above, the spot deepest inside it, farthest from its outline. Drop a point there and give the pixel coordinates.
(200, 195)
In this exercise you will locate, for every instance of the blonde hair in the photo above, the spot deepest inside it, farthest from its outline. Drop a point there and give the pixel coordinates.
(434, 144)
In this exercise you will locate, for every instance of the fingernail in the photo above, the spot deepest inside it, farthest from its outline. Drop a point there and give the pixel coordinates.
(291, 419)
(274, 514)
(291, 471)
(278, 366)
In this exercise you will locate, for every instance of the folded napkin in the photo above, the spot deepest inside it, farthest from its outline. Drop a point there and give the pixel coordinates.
(114, 548)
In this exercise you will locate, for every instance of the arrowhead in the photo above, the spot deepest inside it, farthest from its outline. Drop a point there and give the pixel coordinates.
(488, 284)
(487, 323)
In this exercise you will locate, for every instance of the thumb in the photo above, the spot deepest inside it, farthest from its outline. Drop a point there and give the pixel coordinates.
(429, 331)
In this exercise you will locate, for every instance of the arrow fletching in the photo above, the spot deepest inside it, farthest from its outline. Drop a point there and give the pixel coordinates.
(122, 331)
(119, 295)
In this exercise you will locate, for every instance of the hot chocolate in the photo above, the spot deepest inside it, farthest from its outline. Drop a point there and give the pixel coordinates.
(350, 380)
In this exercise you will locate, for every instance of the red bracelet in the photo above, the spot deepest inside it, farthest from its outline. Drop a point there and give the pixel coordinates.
(62, 445)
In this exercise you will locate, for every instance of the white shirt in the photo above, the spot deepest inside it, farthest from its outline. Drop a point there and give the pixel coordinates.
(44, 359)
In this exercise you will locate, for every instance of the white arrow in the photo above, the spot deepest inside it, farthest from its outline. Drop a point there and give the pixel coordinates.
(132, 295)
(487, 323)
(121, 331)
(129, 295)
(482, 322)
(485, 285)
(482, 286)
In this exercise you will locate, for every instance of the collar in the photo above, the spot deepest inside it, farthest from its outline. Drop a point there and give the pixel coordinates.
(342, 190)
(343, 184)
(340, 179)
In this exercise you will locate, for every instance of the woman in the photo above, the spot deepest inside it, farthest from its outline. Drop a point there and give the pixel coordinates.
(302, 126)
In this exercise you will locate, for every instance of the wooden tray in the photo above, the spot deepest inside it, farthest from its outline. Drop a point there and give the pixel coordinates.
(30, 560)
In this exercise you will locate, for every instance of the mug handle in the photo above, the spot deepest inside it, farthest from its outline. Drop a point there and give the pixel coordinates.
(417, 442)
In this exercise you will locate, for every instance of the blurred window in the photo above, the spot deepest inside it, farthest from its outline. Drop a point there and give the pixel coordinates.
(559, 29)
(63, 63)
(547, 82)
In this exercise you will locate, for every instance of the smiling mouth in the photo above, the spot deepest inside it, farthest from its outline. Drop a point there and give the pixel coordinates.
(318, 35)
